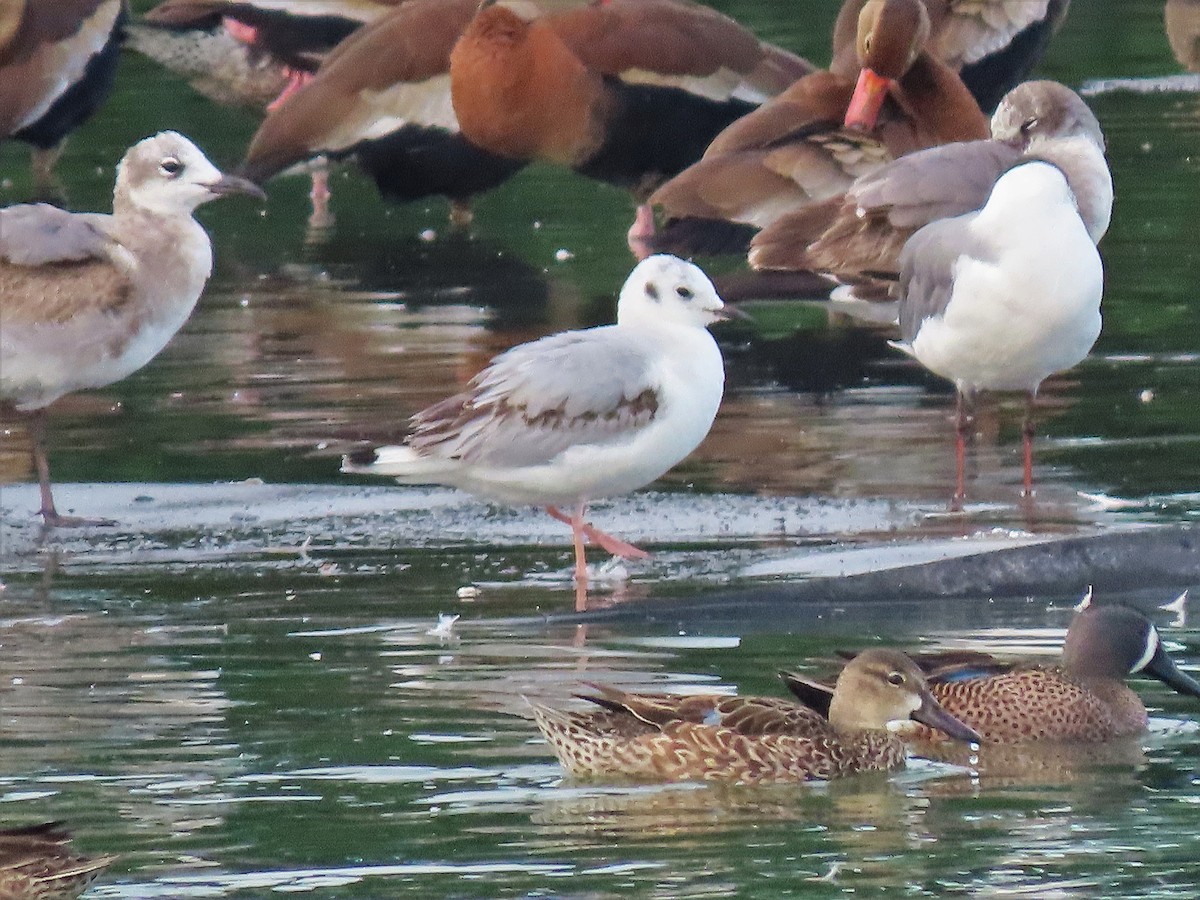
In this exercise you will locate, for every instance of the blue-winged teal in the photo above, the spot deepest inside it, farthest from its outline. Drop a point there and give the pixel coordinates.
(36, 863)
(750, 739)
(1083, 698)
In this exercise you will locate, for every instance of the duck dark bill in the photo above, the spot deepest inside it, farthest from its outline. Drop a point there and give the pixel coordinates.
(1162, 667)
(931, 713)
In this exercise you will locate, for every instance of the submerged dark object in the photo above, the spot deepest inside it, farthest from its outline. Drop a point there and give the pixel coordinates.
(1113, 562)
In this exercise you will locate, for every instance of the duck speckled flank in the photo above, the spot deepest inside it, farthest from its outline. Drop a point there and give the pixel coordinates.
(36, 863)
(658, 737)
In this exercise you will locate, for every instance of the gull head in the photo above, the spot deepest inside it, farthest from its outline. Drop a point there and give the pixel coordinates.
(1043, 110)
(664, 288)
(169, 175)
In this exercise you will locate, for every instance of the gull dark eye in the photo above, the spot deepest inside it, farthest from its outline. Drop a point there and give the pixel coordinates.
(171, 167)
(685, 292)
(1028, 125)
(896, 678)
(652, 290)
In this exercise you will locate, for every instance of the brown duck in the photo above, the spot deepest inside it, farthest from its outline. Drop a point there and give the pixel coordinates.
(1082, 698)
(750, 740)
(36, 863)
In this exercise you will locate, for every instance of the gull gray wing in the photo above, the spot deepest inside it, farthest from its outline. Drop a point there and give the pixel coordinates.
(35, 234)
(933, 184)
(55, 264)
(928, 266)
(861, 235)
(539, 399)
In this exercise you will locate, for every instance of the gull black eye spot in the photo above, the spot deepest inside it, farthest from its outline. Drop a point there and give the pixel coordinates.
(685, 292)
(652, 291)
(896, 678)
(1028, 125)
(171, 167)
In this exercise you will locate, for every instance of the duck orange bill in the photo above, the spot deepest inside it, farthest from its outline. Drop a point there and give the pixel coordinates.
(1162, 667)
(932, 713)
(866, 101)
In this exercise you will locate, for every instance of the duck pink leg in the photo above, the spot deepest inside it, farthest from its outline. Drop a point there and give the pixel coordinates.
(322, 217)
(640, 232)
(240, 31)
(296, 79)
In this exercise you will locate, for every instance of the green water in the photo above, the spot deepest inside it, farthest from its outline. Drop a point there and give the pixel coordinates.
(239, 714)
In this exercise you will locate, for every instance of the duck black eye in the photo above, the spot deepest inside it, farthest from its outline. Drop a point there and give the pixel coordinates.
(1028, 125)
(170, 167)
(685, 292)
(896, 678)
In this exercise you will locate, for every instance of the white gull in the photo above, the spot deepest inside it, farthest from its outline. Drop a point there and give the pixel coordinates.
(1001, 298)
(579, 415)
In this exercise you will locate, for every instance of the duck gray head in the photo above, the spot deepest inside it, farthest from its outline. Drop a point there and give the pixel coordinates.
(1115, 641)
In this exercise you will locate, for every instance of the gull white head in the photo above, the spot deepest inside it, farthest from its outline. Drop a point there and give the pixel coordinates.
(664, 288)
(169, 175)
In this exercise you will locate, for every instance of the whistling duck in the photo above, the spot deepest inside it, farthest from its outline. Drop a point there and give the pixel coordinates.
(813, 140)
(992, 44)
(248, 52)
(626, 91)
(87, 299)
(252, 53)
(751, 740)
(857, 237)
(383, 98)
(58, 59)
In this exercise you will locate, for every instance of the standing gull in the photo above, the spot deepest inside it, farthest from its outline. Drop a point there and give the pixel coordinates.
(857, 237)
(1001, 298)
(579, 415)
(87, 299)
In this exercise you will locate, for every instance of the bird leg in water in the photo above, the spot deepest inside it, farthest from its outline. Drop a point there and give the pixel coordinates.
(963, 421)
(1027, 443)
(580, 530)
(613, 545)
(321, 219)
(50, 516)
(46, 185)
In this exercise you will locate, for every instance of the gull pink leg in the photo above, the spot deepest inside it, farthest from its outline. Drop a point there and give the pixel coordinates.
(613, 545)
(50, 516)
(961, 427)
(1027, 445)
(578, 528)
(607, 542)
